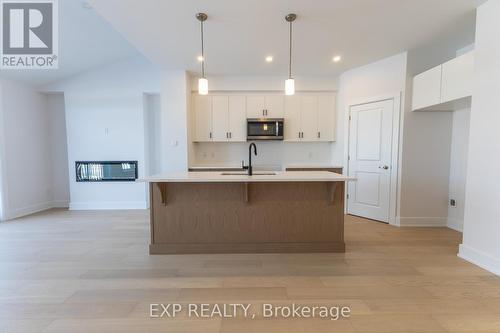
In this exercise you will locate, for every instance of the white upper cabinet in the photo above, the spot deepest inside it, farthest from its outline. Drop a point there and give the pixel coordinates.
(292, 118)
(310, 117)
(427, 88)
(268, 106)
(237, 118)
(274, 106)
(203, 118)
(307, 117)
(256, 106)
(326, 117)
(457, 77)
(220, 118)
(445, 87)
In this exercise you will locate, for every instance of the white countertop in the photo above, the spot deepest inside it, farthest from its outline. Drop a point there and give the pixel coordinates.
(218, 177)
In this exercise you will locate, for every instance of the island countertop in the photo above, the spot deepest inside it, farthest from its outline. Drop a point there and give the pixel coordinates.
(238, 177)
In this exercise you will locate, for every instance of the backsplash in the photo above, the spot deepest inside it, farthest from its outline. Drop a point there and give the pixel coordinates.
(271, 155)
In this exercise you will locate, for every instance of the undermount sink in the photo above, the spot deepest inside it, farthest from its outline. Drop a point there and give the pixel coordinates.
(256, 173)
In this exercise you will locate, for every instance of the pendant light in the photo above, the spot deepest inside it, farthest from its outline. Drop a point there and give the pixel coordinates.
(290, 82)
(202, 82)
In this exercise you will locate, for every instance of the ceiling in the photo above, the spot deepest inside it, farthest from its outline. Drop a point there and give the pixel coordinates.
(86, 41)
(239, 34)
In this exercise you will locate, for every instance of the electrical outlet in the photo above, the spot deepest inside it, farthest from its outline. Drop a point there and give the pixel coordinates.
(453, 203)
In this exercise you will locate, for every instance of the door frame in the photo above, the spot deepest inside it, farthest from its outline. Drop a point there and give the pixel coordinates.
(395, 186)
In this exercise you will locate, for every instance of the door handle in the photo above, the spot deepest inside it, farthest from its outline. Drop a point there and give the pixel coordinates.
(385, 167)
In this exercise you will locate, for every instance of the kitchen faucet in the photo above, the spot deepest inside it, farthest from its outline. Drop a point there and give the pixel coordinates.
(249, 167)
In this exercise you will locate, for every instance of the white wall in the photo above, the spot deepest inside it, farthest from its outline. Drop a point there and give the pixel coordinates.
(26, 148)
(175, 96)
(481, 237)
(458, 167)
(381, 79)
(59, 150)
(105, 121)
(152, 133)
(427, 142)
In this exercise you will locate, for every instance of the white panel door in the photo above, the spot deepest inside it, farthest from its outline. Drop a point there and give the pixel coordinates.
(427, 88)
(256, 106)
(292, 118)
(370, 147)
(220, 118)
(457, 77)
(309, 117)
(203, 118)
(326, 117)
(237, 118)
(274, 106)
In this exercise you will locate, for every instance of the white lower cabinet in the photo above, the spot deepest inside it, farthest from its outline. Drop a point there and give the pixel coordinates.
(310, 117)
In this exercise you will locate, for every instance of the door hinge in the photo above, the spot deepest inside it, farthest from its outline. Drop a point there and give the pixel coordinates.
(350, 118)
(348, 196)
(348, 157)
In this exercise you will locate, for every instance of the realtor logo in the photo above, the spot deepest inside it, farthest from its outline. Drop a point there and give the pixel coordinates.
(29, 37)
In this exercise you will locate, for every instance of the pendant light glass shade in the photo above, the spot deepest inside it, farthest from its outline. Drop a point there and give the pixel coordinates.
(202, 82)
(290, 82)
(290, 87)
(202, 86)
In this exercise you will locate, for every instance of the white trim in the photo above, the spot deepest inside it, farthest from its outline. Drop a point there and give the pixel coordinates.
(113, 205)
(396, 97)
(28, 210)
(479, 258)
(421, 221)
(455, 224)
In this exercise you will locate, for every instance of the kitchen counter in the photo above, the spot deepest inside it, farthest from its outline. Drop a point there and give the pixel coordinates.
(232, 177)
(208, 212)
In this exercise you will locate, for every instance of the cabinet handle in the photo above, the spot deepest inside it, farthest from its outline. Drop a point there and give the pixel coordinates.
(299, 135)
(210, 135)
(319, 135)
(230, 135)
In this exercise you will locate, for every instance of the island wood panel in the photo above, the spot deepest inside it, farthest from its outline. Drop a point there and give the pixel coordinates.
(248, 217)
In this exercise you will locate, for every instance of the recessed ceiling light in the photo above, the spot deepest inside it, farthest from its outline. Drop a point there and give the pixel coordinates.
(269, 59)
(200, 58)
(337, 58)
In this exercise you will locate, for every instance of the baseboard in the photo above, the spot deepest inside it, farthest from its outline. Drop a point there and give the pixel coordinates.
(455, 224)
(11, 214)
(480, 259)
(60, 204)
(421, 221)
(108, 205)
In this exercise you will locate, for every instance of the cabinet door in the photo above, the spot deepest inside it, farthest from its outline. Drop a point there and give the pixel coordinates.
(292, 118)
(274, 106)
(326, 117)
(237, 118)
(203, 118)
(309, 117)
(427, 88)
(457, 78)
(220, 118)
(255, 106)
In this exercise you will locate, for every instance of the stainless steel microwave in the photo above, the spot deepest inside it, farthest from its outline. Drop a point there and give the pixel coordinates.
(265, 129)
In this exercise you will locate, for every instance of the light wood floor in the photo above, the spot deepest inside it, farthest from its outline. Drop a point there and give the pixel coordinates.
(86, 272)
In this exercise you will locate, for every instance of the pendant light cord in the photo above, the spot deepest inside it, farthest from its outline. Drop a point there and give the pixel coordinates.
(290, 62)
(202, 53)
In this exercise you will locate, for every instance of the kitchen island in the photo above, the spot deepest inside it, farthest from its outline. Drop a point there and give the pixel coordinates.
(231, 212)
